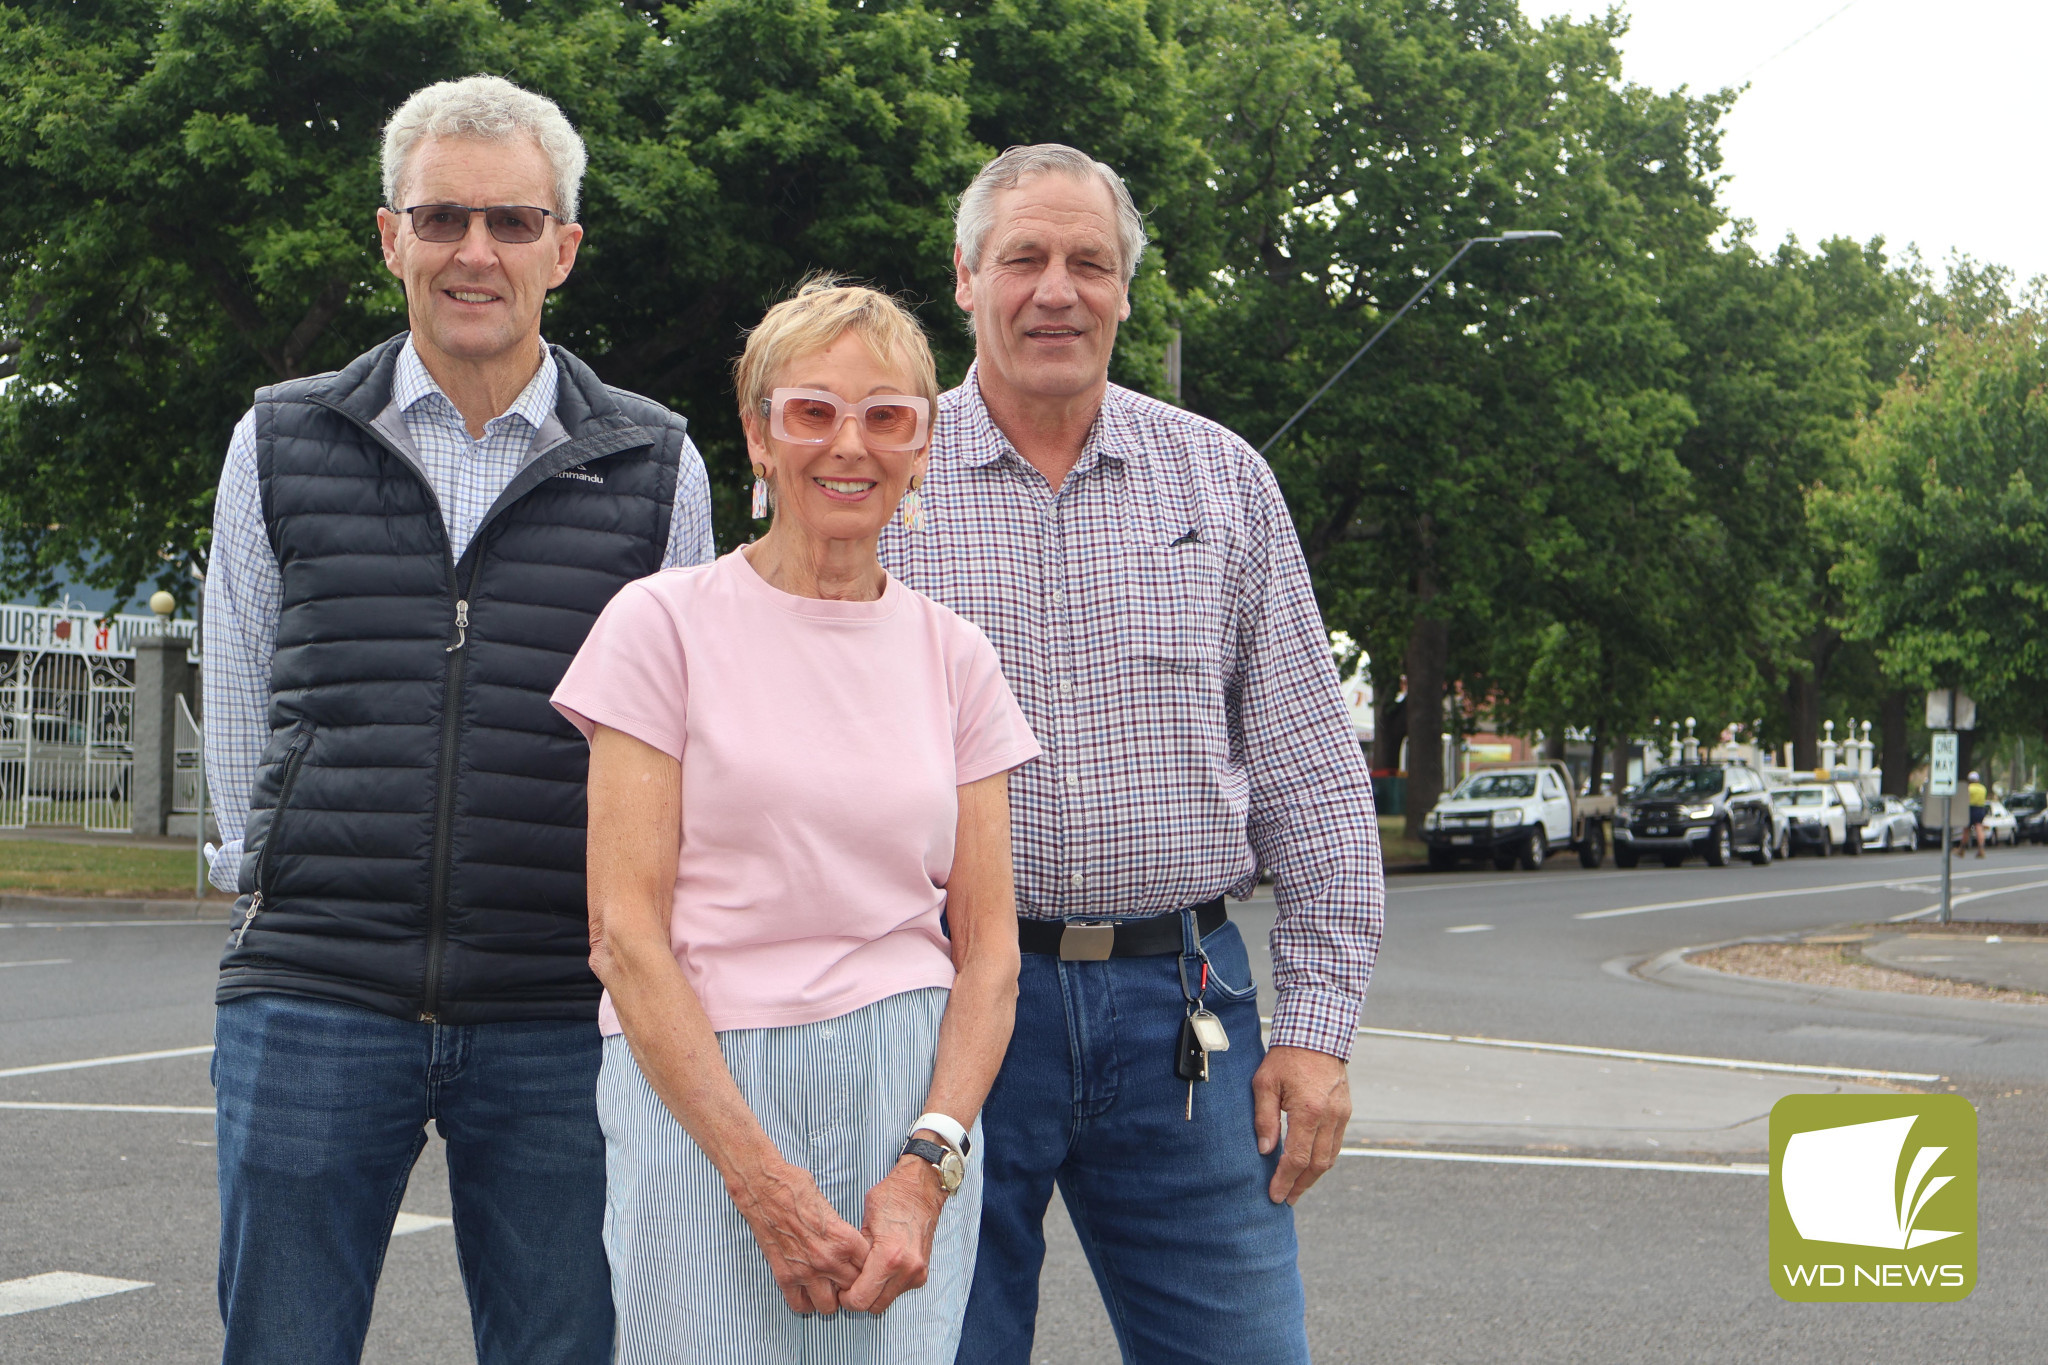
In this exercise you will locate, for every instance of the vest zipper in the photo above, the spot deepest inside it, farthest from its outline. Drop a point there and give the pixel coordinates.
(444, 798)
(294, 756)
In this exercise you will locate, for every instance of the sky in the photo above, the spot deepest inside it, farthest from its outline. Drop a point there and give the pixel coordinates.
(1917, 120)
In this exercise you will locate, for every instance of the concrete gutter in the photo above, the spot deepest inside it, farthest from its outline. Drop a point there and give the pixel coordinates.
(1671, 969)
(14, 906)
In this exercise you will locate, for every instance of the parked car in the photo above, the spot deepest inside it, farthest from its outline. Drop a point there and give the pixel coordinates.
(1717, 810)
(1893, 824)
(2000, 825)
(2030, 810)
(1520, 814)
(1818, 818)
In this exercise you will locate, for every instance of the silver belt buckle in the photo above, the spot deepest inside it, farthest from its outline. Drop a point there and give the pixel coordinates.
(1087, 942)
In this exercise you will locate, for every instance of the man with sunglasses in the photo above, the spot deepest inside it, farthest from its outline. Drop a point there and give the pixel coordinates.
(1138, 573)
(407, 553)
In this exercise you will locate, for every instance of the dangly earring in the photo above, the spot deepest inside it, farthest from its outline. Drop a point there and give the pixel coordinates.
(760, 493)
(912, 507)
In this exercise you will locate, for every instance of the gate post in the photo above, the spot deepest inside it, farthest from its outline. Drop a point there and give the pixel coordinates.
(162, 674)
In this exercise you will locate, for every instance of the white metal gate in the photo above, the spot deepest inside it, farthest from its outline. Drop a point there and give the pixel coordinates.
(66, 740)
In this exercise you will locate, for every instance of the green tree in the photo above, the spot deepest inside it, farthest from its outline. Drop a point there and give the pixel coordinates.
(191, 185)
(1944, 528)
(1493, 468)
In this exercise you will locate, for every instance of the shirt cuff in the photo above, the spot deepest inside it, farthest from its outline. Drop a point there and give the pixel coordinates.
(224, 866)
(1322, 1021)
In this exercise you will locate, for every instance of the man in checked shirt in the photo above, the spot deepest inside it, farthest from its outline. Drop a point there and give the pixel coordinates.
(1137, 571)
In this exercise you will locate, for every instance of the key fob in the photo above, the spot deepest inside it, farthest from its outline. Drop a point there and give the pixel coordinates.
(1209, 1031)
(1190, 1062)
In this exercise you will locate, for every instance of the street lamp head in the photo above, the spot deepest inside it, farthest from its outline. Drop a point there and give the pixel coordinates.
(1532, 235)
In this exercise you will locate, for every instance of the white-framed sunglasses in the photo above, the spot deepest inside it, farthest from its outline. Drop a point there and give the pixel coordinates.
(811, 417)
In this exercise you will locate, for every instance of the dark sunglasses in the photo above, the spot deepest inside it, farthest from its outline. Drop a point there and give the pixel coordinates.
(514, 224)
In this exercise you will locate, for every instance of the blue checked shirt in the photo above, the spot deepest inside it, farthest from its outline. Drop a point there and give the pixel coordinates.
(244, 588)
(1155, 620)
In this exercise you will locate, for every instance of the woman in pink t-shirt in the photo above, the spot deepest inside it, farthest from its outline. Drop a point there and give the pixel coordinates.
(801, 903)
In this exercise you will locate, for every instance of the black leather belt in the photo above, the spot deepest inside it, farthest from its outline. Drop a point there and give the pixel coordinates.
(1094, 940)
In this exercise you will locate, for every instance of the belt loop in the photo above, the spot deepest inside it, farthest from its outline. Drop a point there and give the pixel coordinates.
(1190, 948)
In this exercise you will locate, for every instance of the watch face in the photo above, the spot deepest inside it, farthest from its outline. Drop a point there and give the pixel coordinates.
(952, 1170)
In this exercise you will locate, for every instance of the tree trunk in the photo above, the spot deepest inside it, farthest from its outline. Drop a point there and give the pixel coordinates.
(1594, 776)
(1553, 746)
(1895, 754)
(1802, 710)
(1428, 652)
(1390, 727)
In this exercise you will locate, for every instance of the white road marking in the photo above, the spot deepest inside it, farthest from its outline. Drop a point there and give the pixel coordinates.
(1468, 928)
(1953, 901)
(1887, 883)
(1407, 1154)
(40, 962)
(409, 1223)
(108, 1061)
(55, 1107)
(55, 1288)
(1675, 1058)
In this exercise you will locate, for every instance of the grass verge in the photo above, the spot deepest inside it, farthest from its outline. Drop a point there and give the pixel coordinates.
(120, 871)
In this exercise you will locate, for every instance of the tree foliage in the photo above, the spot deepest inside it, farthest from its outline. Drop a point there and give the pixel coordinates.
(1592, 483)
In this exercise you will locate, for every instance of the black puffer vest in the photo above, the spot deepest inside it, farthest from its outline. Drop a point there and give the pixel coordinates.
(415, 836)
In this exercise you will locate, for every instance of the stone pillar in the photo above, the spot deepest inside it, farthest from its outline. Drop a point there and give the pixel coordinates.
(162, 674)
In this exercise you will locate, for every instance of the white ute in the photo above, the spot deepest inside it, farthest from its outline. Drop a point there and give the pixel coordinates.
(1519, 814)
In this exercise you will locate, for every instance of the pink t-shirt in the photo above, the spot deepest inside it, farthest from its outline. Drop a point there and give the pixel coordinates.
(822, 746)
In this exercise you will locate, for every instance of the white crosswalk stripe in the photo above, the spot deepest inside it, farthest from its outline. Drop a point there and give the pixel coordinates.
(55, 1288)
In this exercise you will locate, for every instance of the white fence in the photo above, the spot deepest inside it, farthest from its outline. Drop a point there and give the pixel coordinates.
(66, 739)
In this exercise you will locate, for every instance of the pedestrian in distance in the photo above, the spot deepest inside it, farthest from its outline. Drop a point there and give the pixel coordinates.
(407, 553)
(1980, 811)
(1138, 573)
(800, 889)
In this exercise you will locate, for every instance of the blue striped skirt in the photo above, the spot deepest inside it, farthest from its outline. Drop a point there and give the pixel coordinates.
(836, 1097)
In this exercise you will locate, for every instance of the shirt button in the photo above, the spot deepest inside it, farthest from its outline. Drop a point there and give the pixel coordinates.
(1058, 596)
(1076, 880)
(1073, 779)
(1066, 687)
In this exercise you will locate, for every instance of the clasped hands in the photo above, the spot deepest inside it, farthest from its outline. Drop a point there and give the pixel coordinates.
(821, 1262)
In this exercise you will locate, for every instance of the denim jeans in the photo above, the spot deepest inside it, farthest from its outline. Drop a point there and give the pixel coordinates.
(322, 1110)
(1194, 1262)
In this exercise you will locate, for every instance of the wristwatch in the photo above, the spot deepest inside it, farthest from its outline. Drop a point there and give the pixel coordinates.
(952, 1167)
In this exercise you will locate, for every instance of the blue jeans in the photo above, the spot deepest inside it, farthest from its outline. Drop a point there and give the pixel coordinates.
(322, 1110)
(1194, 1262)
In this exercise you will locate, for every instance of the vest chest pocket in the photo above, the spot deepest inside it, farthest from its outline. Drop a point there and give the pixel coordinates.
(1174, 613)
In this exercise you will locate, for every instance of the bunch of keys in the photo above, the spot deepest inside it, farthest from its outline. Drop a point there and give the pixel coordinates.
(1201, 1033)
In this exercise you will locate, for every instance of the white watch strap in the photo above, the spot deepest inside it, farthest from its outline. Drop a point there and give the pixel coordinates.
(949, 1131)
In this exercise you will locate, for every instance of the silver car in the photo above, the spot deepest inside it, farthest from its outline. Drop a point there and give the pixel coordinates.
(1893, 825)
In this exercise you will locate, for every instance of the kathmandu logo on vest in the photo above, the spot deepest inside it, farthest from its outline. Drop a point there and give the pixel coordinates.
(578, 472)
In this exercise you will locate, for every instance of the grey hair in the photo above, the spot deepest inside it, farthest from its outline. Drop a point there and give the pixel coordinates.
(971, 223)
(488, 109)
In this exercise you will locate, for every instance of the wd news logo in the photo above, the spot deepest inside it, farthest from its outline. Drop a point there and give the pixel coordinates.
(1873, 1198)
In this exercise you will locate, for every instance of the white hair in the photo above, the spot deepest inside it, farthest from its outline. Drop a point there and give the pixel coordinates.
(974, 219)
(488, 109)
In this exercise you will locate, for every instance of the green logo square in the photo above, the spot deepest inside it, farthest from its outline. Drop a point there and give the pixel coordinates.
(1873, 1198)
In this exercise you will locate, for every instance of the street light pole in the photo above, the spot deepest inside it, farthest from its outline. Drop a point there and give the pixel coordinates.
(1387, 326)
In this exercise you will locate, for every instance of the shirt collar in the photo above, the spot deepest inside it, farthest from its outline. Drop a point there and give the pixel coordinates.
(412, 385)
(1111, 438)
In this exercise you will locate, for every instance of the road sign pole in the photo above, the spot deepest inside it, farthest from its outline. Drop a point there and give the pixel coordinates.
(1948, 805)
(1941, 782)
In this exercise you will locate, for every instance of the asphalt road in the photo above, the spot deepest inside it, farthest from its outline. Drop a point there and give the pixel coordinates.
(1407, 1260)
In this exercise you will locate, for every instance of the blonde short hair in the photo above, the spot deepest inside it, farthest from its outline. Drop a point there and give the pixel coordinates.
(824, 308)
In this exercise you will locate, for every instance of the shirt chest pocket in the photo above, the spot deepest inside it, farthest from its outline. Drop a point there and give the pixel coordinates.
(1174, 608)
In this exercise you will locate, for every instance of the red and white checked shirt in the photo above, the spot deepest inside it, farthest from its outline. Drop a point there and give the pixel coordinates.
(1155, 619)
